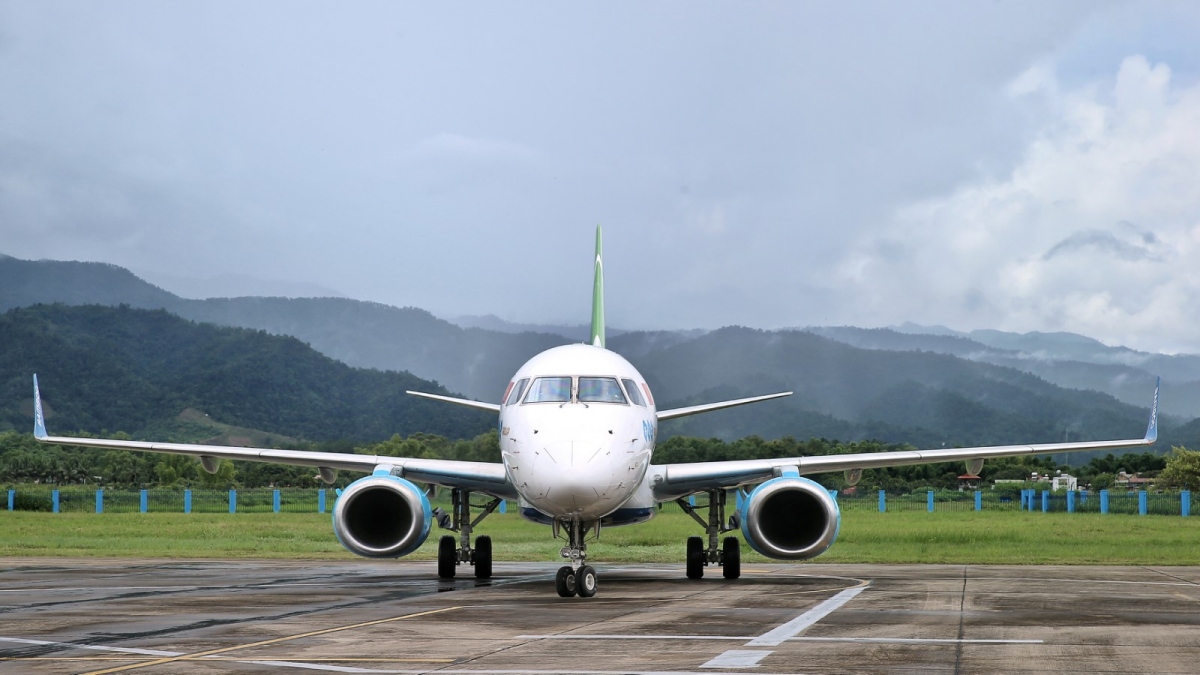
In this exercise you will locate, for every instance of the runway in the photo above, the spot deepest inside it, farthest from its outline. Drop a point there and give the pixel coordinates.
(213, 617)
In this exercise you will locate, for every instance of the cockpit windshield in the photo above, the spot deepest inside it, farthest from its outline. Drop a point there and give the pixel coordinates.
(550, 390)
(600, 390)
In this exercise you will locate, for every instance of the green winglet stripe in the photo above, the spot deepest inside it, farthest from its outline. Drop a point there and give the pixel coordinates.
(598, 295)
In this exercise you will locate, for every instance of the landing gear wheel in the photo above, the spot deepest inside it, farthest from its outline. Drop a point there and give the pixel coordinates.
(695, 558)
(731, 558)
(587, 581)
(483, 557)
(447, 557)
(564, 582)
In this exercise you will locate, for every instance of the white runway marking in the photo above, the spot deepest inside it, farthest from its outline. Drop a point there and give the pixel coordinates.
(749, 658)
(737, 658)
(121, 650)
(779, 634)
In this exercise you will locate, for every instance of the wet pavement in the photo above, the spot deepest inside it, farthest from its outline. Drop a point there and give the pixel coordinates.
(157, 617)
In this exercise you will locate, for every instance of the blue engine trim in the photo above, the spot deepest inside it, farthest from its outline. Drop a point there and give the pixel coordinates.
(413, 490)
(744, 512)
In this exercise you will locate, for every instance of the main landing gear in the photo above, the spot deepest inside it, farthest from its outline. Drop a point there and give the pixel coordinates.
(729, 556)
(451, 554)
(578, 578)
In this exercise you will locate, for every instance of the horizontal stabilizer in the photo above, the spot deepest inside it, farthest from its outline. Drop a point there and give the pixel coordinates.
(720, 405)
(478, 405)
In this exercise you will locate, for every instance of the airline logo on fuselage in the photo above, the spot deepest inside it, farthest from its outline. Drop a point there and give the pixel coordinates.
(648, 431)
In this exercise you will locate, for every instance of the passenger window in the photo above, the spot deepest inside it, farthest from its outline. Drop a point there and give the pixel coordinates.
(550, 390)
(634, 394)
(600, 390)
(517, 390)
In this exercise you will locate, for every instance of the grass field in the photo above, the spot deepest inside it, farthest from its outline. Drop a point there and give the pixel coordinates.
(866, 537)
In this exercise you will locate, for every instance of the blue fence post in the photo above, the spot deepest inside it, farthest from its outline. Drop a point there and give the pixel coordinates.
(929, 501)
(275, 500)
(503, 506)
(187, 501)
(882, 501)
(321, 500)
(12, 494)
(232, 501)
(1142, 503)
(1185, 503)
(145, 501)
(100, 500)
(1104, 501)
(691, 500)
(978, 500)
(1045, 501)
(54, 496)
(1070, 501)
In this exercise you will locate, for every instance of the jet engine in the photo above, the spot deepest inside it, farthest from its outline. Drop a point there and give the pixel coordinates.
(382, 516)
(790, 518)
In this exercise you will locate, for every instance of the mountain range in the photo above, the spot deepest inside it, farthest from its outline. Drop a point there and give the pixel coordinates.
(927, 386)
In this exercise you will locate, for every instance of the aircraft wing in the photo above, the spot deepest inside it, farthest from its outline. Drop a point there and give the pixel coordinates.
(479, 476)
(683, 479)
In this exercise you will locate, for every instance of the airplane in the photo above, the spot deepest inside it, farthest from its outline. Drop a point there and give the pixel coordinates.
(577, 428)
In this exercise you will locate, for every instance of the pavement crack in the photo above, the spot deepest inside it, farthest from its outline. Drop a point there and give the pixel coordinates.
(962, 604)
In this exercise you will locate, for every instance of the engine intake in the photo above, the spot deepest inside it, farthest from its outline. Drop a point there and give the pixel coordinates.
(382, 516)
(790, 518)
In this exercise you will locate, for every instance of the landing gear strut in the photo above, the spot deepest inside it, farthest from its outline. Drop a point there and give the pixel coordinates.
(578, 578)
(729, 555)
(451, 554)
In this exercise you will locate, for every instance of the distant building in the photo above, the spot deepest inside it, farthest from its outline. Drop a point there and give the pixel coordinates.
(1064, 481)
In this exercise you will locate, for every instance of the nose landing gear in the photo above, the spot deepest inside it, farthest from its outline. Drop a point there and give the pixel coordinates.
(578, 578)
(729, 556)
(451, 554)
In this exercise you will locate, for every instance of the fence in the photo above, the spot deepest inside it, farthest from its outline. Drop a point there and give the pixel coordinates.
(297, 500)
(1075, 501)
(83, 499)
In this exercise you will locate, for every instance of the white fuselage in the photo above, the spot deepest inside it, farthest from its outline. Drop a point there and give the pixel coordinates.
(575, 440)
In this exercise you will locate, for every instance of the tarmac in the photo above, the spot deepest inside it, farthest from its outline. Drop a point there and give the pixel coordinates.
(255, 616)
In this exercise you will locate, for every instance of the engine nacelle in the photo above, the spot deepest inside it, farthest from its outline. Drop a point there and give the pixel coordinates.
(382, 516)
(790, 518)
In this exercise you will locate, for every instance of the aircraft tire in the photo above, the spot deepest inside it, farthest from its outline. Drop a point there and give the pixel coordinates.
(695, 558)
(731, 558)
(447, 557)
(564, 582)
(483, 557)
(587, 581)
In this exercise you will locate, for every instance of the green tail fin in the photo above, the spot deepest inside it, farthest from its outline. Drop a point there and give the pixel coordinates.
(598, 296)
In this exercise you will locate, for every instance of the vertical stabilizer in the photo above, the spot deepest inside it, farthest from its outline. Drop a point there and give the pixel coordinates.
(598, 295)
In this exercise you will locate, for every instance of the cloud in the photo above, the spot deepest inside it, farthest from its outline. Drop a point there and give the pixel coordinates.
(1096, 230)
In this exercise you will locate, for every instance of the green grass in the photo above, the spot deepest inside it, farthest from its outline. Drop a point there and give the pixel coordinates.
(866, 537)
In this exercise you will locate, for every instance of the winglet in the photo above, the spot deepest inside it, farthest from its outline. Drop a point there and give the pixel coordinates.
(39, 420)
(1152, 428)
(598, 296)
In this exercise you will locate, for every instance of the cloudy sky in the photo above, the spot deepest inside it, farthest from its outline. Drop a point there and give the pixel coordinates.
(1013, 165)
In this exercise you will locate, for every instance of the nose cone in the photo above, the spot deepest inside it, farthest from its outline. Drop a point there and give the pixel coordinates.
(577, 478)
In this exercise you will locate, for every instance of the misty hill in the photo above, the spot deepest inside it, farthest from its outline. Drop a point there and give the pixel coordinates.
(128, 369)
(849, 393)
(1065, 359)
(472, 361)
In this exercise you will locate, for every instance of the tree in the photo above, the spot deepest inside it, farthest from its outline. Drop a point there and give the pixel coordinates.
(1182, 471)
